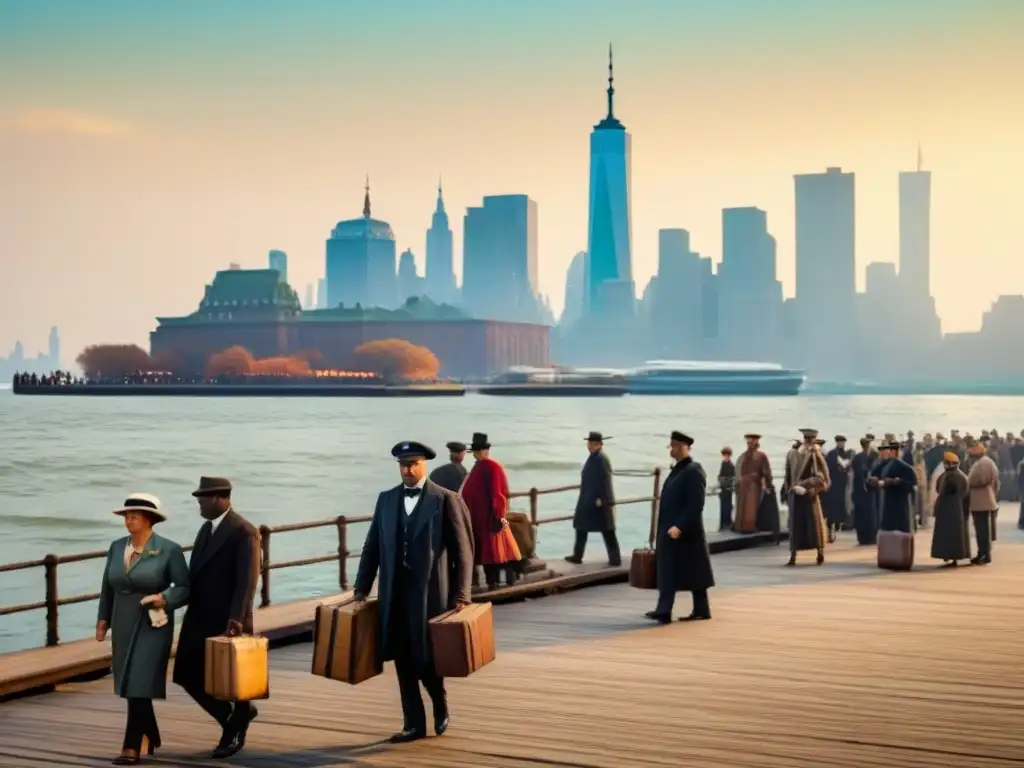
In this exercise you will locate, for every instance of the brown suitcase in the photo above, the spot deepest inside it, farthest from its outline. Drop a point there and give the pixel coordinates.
(463, 641)
(643, 569)
(345, 643)
(522, 531)
(237, 668)
(895, 550)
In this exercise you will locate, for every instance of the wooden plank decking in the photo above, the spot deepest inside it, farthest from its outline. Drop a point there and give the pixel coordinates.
(842, 665)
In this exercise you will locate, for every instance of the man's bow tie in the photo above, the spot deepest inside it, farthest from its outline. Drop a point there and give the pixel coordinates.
(411, 493)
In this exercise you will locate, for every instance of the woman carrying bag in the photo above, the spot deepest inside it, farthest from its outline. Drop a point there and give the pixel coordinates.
(145, 580)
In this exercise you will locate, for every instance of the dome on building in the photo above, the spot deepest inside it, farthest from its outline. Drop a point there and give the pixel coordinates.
(365, 228)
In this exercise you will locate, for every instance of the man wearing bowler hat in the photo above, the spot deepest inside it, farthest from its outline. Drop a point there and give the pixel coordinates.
(223, 570)
(683, 558)
(419, 545)
(595, 506)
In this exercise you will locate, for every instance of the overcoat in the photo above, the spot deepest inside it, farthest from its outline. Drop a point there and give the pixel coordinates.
(223, 572)
(951, 539)
(140, 650)
(434, 544)
(450, 476)
(486, 495)
(595, 485)
(896, 513)
(684, 564)
(835, 501)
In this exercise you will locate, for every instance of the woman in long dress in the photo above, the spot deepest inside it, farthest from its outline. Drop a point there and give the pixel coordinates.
(951, 540)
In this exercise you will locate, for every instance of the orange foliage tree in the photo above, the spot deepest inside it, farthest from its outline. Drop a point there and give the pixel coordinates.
(113, 360)
(234, 361)
(314, 358)
(398, 359)
(281, 366)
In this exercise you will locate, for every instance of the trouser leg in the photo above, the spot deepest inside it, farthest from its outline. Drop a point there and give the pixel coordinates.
(492, 573)
(218, 710)
(983, 533)
(701, 604)
(611, 543)
(580, 545)
(725, 499)
(414, 716)
(666, 601)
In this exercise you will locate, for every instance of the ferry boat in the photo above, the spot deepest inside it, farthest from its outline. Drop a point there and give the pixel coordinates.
(688, 377)
(556, 382)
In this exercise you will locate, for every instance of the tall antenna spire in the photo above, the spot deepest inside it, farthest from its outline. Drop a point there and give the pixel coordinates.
(611, 83)
(920, 158)
(440, 194)
(366, 199)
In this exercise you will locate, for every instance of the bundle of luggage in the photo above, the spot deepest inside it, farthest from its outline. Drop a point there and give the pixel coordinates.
(346, 646)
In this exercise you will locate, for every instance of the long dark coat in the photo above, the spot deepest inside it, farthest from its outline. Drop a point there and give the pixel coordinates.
(806, 519)
(223, 572)
(450, 476)
(834, 501)
(951, 539)
(595, 485)
(896, 513)
(437, 550)
(684, 564)
(140, 650)
(865, 499)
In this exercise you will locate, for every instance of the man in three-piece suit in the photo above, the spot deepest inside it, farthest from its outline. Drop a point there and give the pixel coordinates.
(223, 571)
(420, 545)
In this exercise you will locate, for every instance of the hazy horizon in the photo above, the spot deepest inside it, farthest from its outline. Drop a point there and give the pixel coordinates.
(143, 148)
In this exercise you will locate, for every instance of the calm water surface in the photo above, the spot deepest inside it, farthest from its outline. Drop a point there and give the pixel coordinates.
(66, 462)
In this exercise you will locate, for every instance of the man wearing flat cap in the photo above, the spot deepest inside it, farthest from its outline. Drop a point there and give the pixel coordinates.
(896, 482)
(809, 480)
(223, 571)
(835, 502)
(683, 559)
(453, 474)
(419, 545)
(595, 505)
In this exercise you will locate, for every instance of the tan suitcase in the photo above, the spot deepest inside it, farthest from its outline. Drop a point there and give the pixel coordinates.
(522, 530)
(345, 643)
(463, 641)
(237, 668)
(895, 550)
(643, 569)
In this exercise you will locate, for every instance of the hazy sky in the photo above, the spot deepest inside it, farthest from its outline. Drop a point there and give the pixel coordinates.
(145, 145)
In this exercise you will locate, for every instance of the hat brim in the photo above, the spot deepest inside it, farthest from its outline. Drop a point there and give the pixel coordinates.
(155, 514)
(198, 492)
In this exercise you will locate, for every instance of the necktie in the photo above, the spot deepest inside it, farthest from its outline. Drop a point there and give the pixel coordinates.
(411, 493)
(204, 536)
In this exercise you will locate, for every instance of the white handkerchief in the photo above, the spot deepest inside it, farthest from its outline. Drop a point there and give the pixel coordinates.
(799, 490)
(158, 617)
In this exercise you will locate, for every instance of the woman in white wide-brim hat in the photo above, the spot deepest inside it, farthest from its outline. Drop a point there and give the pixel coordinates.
(144, 581)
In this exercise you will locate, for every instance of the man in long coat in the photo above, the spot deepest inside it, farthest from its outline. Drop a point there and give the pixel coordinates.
(683, 558)
(835, 502)
(983, 480)
(419, 546)
(486, 494)
(863, 496)
(755, 479)
(896, 482)
(453, 474)
(223, 571)
(595, 506)
(809, 479)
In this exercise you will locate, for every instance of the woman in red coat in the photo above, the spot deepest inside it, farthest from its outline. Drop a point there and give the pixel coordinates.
(486, 494)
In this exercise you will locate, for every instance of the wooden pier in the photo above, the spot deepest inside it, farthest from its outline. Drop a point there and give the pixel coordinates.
(839, 665)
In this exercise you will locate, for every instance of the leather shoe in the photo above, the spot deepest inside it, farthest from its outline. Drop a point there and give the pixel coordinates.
(229, 746)
(696, 617)
(409, 734)
(661, 618)
(440, 724)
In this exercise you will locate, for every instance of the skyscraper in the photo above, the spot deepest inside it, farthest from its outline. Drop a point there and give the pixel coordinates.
(440, 271)
(499, 260)
(609, 237)
(279, 260)
(360, 262)
(410, 284)
(826, 283)
(575, 289)
(321, 293)
(915, 230)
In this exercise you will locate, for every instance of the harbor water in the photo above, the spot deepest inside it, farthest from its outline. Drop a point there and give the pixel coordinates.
(65, 462)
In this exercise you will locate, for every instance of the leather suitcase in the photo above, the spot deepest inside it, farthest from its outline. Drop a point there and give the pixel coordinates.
(345, 643)
(895, 550)
(522, 531)
(643, 569)
(237, 668)
(463, 641)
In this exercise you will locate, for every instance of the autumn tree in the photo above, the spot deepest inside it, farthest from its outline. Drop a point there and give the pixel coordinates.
(281, 366)
(113, 360)
(398, 359)
(234, 361)
(314, 358)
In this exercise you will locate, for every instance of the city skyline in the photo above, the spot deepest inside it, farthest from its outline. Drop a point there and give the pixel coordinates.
(78, 220)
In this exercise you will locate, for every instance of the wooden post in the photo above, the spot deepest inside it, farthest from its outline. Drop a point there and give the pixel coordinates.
(265, 532)
(342, 524)
(50, 570)
(534, 495)
(655, 496)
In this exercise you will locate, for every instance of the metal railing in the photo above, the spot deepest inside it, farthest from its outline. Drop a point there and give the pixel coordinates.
(52, 600)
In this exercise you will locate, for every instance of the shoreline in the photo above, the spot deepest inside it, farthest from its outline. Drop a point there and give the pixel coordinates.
(240, 390)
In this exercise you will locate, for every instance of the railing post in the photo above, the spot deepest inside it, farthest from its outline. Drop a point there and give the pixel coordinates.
(50, 569)
(265, 532)
(534, 494)
(655, 497)
(342, 523)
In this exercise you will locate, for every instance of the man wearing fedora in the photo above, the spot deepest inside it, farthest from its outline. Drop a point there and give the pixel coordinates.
(595, 506)
(223, 571)
(486, 494)
(419, 546)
